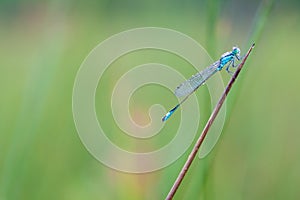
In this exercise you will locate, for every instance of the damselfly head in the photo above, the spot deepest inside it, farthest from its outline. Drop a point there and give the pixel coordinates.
(236, 51)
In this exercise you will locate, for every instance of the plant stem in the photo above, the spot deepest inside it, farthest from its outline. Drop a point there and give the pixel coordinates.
(206, 128)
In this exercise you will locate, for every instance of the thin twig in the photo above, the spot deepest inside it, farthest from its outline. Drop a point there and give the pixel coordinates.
(206, 128)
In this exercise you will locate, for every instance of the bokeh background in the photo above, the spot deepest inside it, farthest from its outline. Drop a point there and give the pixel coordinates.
(43, 44)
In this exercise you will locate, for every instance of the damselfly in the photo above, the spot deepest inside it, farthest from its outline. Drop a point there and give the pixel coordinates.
(191, 85)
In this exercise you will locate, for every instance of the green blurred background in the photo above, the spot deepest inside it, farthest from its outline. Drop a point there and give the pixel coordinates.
(43, 44)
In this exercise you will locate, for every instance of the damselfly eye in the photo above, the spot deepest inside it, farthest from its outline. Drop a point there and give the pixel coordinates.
(236, 50)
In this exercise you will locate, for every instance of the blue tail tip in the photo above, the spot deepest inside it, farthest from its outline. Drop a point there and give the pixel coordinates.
(166, 117)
